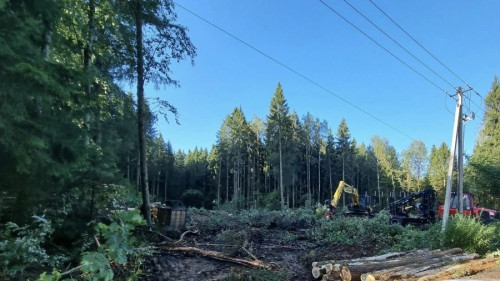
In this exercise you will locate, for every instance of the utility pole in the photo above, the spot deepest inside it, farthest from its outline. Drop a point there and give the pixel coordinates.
(449, 178)
(458, 137)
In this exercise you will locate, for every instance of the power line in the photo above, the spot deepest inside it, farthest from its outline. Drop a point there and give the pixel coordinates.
(397, 43)
(384, 48)
(296, 72)
(430, 54)
(418, 43)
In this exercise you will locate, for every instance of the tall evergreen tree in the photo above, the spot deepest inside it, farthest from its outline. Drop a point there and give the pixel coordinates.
(345, 148)
(438, 168)
(278, 134)
(483, 169)
(150, 61)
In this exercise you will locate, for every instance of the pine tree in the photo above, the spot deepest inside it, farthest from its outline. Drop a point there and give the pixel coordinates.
(483, 169)
(278, 135)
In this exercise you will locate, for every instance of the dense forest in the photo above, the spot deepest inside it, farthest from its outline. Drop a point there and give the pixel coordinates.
(74, 143)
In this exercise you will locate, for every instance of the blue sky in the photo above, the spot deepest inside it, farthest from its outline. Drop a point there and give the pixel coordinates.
(309, 38)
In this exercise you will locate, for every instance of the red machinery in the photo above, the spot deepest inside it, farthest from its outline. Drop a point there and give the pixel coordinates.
(469, 208)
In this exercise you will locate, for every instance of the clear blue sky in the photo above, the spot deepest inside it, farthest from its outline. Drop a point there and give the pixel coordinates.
(310, 39)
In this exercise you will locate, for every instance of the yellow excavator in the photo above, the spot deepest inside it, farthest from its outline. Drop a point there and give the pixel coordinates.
(355, 208)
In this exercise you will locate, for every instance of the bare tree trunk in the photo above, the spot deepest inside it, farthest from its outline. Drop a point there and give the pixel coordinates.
(218, 180)
(281, 177)
(227, 178)
(138, 174)
(308, 169)
(165, 186)
(128, 167)
(47, 38)
(141, 104)
(330, 180)
(319, 174)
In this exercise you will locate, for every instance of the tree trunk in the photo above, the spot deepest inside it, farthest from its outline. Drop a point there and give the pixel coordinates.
(281, 177)
(165, 186)
(227, 178)
(223, 257)
(87, 61)
(413, 270)
(141, 106)
(319, 174)
(308, 173)
(360, 267)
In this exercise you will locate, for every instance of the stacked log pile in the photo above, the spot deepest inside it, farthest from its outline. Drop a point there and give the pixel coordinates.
(416, 265)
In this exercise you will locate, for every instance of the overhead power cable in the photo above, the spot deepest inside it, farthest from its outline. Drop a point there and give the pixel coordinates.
(430, 54)
(296, 72)
(418, 43)
(401, 46)
(384, 48)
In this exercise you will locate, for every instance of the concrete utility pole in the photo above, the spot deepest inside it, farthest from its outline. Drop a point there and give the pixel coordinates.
(457, 125)
(458, 137)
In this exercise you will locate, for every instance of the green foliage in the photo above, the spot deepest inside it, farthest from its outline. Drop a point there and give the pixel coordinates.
(22, 247)
(96, 267)
(257, 275)
(193, 198)
(469, 234)
(54, 276)
(356, 231)
(320, 210)
(271, 200)
(438, 168)
(484, 165)
(411, 238)
(119, 241)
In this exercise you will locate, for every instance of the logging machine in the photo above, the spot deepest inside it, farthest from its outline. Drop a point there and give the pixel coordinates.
(421, 208)
(416, 208)
(355, 208)
(470, 208)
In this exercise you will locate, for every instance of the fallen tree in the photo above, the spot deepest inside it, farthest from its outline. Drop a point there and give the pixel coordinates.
(222, 257)
(393, 266)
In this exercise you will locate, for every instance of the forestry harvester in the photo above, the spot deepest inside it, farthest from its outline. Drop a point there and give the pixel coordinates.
(421, 208)
(416, 208)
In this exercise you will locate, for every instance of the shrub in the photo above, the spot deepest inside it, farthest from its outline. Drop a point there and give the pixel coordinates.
(271, 201)
(193, 198)
(21, 247)
(469, 234)
(412, 238)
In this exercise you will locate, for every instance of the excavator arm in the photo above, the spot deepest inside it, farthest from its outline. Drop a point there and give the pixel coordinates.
(354, 209)
(344, 187)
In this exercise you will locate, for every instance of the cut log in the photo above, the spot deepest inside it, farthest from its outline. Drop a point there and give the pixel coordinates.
(459, 270)
(411, 270)
(359, 267)
(361, 260)
(335, 273)
(222, 257)
(325, 269)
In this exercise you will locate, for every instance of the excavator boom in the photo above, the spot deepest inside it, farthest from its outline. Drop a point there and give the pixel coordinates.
(355, 208)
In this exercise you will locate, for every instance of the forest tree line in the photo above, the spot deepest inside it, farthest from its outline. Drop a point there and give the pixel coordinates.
(289, 161)
(69, 142)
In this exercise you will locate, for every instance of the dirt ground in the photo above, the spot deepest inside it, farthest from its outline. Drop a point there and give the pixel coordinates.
(288, 251)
